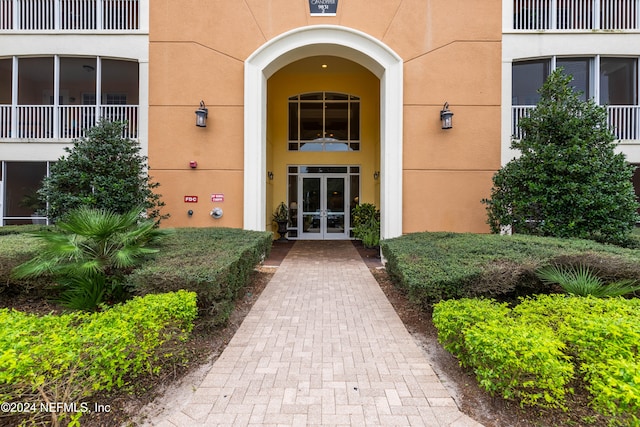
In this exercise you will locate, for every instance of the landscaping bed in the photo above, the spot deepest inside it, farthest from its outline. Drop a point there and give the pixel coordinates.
(218, 264)
(590, 352)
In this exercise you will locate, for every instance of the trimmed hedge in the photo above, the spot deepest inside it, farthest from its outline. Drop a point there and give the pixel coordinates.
(436, 266)
(16, 249)
(213, 262)
(68, 358)
(531, 352)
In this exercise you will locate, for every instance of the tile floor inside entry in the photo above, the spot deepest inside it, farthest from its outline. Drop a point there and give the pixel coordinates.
(321, 346)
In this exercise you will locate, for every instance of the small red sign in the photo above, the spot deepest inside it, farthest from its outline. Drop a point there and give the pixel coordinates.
(217, 197)
(191, 199)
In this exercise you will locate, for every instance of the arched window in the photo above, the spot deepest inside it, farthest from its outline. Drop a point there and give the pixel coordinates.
(324, 121)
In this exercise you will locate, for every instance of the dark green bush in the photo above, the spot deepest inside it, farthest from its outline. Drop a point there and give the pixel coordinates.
(16, 249)
(436, 266)
(213, 262)
(568, 180)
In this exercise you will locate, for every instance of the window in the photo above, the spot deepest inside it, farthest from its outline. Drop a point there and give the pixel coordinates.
(527, 78)
(610, 81)
(88, 88)
(324, 121)
(579, 69)
(21, 181)
(618, 81)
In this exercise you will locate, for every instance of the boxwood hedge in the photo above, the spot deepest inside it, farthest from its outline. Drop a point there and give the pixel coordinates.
(436, 266)
(213, 262)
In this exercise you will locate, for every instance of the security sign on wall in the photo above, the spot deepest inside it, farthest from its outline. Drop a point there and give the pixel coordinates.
(323, 7)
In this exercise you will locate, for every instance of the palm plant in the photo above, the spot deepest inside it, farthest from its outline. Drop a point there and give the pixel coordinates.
(89, 254)
(581, 281)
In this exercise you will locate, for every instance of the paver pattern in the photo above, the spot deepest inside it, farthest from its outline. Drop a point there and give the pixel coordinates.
(321, 346)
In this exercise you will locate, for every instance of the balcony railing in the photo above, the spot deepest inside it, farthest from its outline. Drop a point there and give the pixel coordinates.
(576, 14)
(35, 122)
(624, 120)
(69, 15)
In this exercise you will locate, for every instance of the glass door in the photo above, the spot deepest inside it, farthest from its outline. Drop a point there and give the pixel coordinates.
(323, 211)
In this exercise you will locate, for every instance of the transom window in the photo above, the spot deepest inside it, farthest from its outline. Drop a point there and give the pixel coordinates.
(324, 121)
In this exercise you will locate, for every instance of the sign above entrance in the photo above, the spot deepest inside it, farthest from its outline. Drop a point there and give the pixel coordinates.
(323, 7)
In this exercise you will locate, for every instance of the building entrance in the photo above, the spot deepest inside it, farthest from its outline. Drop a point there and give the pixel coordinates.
(322, 198)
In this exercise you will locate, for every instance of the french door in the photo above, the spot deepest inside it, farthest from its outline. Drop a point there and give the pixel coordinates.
(323, 206)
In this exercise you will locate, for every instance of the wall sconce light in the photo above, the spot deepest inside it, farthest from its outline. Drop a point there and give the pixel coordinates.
(201, 115)
(270, 175)
(376, 175)
(446, 116)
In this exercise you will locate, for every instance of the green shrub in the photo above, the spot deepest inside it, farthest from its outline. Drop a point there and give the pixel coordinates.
(519, 362)
(531, 352)
(436, 266)
(568, 180)
(366, 224)
(88, 254)
(16, 249)
(455, 317)
(68, 358)
(213, 262)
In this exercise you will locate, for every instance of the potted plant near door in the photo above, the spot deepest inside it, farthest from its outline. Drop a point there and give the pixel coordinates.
(281, 217)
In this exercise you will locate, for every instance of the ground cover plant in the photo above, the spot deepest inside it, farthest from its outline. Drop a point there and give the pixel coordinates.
(537, 352)
(66, 359)
(436, 266)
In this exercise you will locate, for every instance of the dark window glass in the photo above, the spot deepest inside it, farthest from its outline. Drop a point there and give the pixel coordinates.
(618, 81)
(580, 70)
(527, 78)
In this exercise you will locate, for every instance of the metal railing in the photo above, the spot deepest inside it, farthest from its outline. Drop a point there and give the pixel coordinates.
(624, 120)
(69, 15)
(64, 121)
(576, 14)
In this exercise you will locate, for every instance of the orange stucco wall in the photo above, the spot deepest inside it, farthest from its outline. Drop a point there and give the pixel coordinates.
(451, 52)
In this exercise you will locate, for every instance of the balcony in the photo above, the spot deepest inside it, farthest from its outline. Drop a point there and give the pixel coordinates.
(69, 15)
(576, 14)
(46, 122)
(623, 119)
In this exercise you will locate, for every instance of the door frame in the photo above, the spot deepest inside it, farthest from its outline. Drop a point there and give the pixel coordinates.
(323, 216)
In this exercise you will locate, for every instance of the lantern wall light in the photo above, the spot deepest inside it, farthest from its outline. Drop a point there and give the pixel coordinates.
(201, 115)
(446, 116)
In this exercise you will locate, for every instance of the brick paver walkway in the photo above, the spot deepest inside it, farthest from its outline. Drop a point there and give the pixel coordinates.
(321, 346)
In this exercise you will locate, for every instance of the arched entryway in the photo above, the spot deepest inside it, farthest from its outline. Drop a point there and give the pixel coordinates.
(317, 41)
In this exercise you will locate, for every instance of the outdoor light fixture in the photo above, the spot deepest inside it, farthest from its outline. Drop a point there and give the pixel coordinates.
(201, 115)
(270, 175)
(446, 116)
(376, 175)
